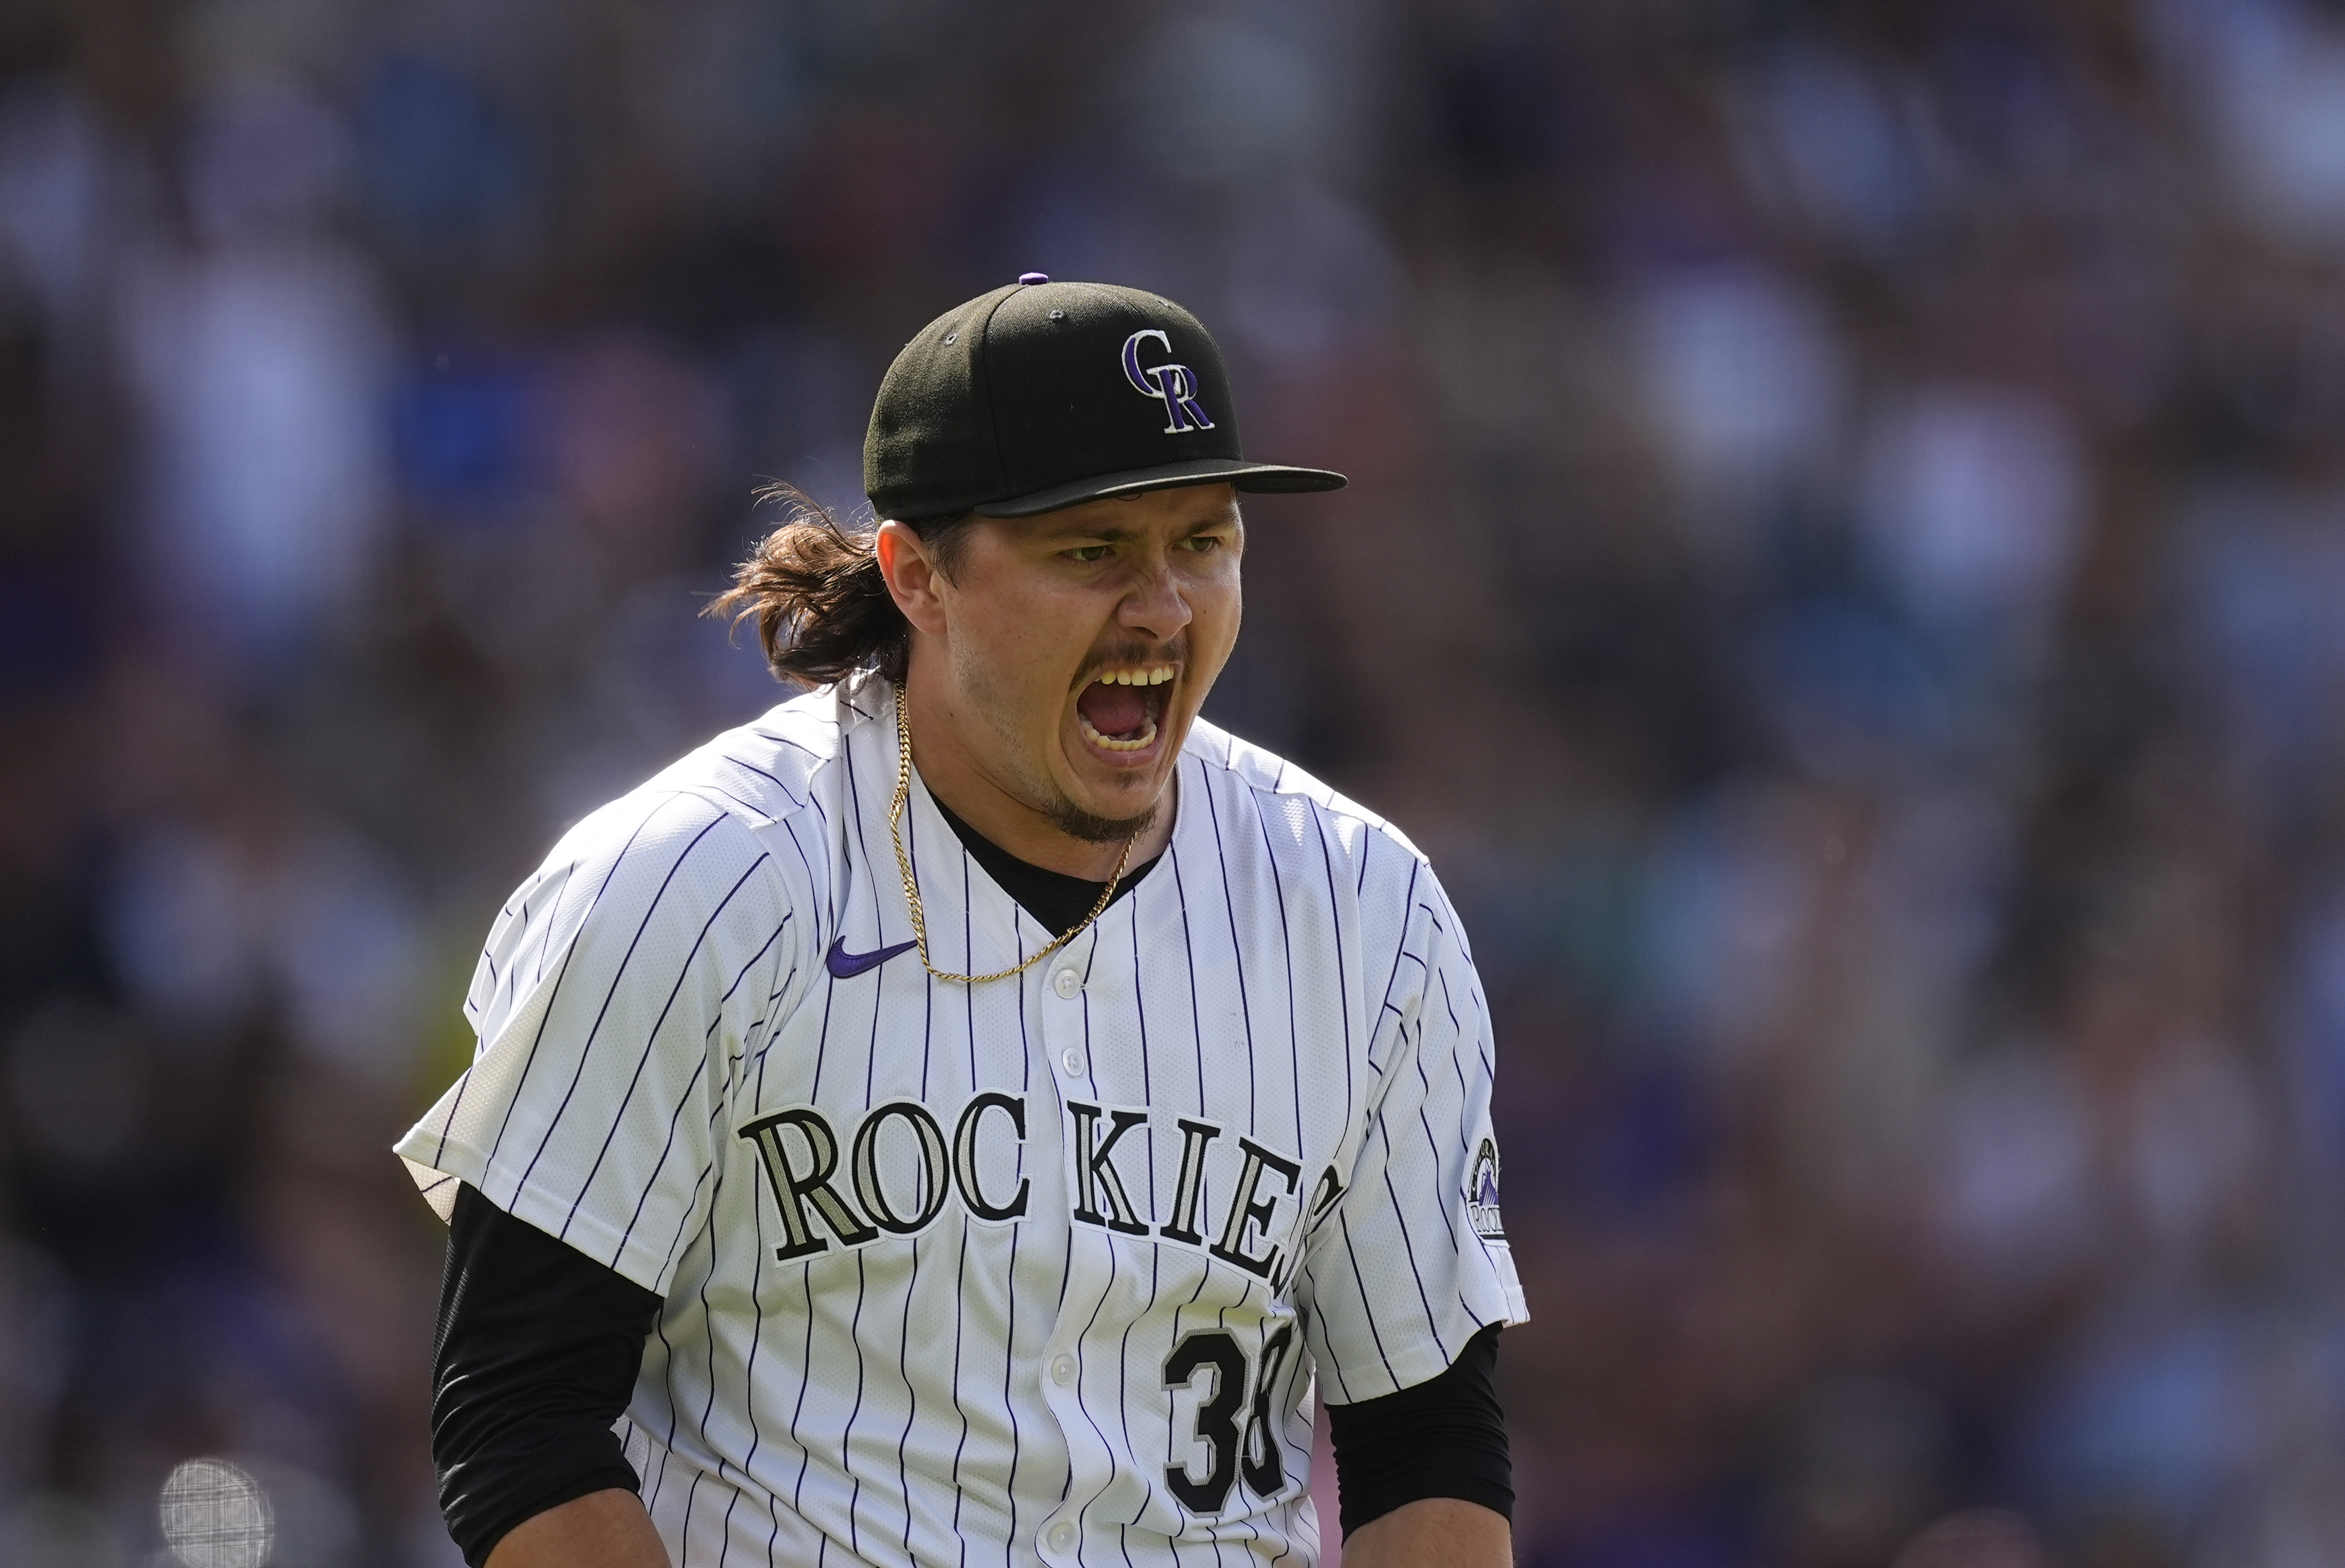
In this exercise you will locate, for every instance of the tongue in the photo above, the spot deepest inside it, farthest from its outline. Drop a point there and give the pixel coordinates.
(1117, 711)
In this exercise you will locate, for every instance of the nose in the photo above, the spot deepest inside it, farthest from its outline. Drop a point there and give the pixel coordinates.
(1153, 606)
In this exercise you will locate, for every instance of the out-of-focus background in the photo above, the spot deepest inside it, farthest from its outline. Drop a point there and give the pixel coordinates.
(1843, 573)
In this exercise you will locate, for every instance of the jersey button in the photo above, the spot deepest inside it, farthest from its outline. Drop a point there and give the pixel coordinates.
(1061, 1535)
(1072, 1061)
(1066, 982)
(1062, 1371)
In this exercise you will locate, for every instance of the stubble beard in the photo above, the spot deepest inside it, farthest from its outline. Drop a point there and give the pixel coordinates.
(1043, 795)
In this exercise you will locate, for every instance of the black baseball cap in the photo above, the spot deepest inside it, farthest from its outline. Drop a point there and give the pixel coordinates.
(1041, 395)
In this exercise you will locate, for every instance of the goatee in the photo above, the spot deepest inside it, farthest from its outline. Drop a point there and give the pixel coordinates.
(1076, 822)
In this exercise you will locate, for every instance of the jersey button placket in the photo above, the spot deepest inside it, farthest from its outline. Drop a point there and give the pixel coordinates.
(1063, 1016)
(1064, 1003)
(1070, 988)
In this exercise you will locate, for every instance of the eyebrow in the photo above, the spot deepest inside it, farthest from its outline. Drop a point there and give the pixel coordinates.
(1229, 519)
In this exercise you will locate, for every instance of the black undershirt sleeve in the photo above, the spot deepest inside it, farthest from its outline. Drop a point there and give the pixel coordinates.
(1445, 1437)
(535, 1357)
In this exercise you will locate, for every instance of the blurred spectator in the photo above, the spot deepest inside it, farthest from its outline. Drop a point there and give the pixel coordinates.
(1975, 502)
(1744, 379)
(259, 355)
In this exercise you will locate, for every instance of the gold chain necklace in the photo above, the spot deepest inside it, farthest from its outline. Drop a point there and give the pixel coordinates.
(913, 888)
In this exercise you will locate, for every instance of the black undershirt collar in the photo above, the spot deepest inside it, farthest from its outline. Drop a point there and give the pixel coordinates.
(1058, 902)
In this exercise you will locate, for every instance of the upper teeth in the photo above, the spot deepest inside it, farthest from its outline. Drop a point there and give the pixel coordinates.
(1155, 677)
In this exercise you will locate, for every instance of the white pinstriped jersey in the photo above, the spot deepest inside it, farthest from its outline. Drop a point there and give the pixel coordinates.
(1039, 1269)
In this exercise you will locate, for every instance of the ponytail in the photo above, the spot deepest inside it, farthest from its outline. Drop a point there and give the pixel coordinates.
(822, 609)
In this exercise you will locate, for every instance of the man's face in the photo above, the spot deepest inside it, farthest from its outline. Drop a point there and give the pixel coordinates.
(1080, 645)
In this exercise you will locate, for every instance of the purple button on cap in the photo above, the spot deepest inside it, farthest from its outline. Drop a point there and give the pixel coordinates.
(1033, 277)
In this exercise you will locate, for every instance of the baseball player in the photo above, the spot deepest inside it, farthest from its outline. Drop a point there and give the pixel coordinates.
(970, 1114)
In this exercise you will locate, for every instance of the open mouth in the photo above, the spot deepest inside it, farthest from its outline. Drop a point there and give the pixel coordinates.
(1119, 710)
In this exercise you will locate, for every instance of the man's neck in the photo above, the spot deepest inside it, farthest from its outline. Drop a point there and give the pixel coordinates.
(956, 775)
(1061, 904)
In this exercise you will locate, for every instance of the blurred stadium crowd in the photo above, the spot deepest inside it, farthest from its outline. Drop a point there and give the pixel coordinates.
(1842, 574)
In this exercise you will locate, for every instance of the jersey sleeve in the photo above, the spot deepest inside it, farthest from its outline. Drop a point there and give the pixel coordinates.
(1411, 1261)
(618, 989)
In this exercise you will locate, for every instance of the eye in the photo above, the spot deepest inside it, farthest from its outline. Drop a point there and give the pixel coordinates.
(1086, 552)
(1202, 543)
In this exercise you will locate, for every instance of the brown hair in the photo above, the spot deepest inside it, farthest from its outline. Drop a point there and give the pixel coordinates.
(822, 609)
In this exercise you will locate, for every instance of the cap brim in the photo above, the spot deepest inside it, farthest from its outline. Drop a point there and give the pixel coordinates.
(1246, 476)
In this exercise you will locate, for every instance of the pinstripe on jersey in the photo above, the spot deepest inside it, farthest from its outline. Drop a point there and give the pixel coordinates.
(1040, 1269)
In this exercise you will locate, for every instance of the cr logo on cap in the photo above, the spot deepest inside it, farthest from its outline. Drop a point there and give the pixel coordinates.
(1172, 385)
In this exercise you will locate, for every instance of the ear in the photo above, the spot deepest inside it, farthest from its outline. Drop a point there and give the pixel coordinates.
(911, 576)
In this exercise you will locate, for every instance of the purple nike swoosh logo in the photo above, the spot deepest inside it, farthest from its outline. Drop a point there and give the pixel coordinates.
(845, 965)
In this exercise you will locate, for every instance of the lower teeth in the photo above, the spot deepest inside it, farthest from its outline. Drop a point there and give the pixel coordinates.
(1140, 739)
